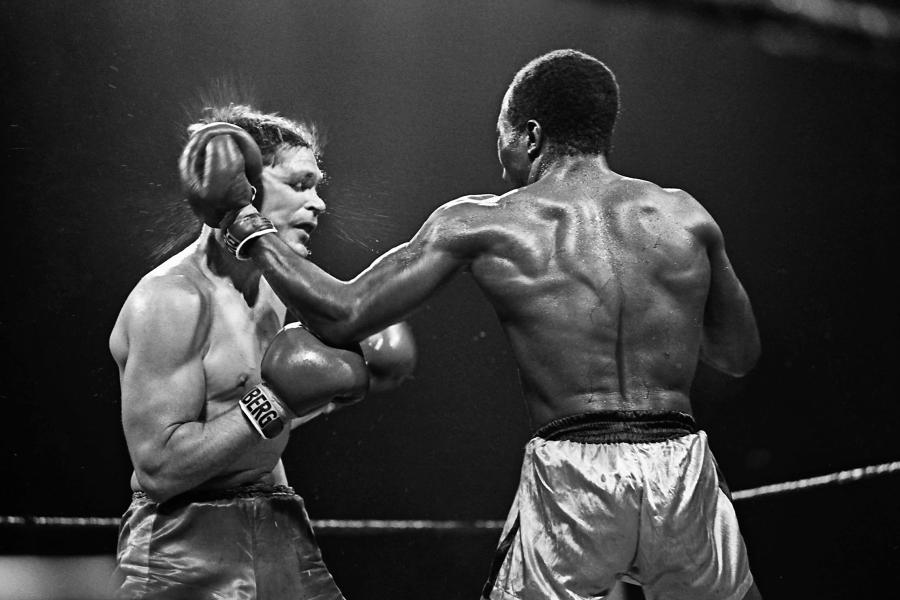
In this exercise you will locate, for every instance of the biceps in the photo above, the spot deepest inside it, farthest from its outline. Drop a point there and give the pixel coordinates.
(158, 397)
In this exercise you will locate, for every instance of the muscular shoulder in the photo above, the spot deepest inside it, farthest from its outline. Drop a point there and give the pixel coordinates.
(169, 306)
(168, 295)
(676, 205)
(695, 216)
(459, 222)
(465, 208)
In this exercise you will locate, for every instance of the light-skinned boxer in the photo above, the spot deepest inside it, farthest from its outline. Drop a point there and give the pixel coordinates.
(213, 380)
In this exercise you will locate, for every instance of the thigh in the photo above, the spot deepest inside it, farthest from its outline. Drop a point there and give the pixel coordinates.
(287, 557)
(196, 550)
(578, 510)
(691, 546)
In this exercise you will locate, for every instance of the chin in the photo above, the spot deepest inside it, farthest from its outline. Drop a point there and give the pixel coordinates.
(300, 249)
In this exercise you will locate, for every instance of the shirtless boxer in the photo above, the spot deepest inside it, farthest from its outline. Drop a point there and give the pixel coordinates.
(211, 384)
(610, 290)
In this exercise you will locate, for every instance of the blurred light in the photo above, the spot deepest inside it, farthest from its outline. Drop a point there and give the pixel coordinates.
(56, 578)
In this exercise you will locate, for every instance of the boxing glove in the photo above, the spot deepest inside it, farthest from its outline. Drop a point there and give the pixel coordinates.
(390, 356)
(301, 375)
(247, 224)
(221, 171)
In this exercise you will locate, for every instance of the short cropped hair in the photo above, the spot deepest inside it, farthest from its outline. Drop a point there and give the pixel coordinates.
(270, 131)
(572, 95)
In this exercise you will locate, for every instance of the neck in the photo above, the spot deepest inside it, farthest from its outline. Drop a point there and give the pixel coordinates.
(567, 166)
(243, 275)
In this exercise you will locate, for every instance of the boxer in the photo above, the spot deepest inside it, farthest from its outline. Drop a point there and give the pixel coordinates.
(212, 382)
(610, 290)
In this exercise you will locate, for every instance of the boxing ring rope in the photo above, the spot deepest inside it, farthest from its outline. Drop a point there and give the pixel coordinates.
(835, 478)
(379, 526)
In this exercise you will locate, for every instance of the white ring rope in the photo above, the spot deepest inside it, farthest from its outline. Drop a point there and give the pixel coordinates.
(814, 482)
(393, 525)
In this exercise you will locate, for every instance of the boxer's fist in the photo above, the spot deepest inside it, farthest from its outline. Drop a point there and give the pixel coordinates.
(246, 225)
(390, 356)
(221, 171)
(301, 375)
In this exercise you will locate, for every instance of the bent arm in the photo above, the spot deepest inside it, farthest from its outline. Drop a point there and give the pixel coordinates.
(173, 447)
(730, 341)
(384, 293)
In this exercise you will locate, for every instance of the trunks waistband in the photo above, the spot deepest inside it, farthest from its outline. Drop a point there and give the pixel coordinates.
(255, 490)
(619, 426)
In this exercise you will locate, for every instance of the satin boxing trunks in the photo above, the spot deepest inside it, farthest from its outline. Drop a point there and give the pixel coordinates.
(251, 542)
(615, 495)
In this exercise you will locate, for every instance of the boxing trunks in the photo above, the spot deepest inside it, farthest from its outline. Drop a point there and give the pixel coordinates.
(251, 542)
(631, 495)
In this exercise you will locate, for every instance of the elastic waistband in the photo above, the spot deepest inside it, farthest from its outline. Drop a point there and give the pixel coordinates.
(255, 490)
(619, 426)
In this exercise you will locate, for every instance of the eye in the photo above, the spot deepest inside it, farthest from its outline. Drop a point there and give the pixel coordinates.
(309, 179)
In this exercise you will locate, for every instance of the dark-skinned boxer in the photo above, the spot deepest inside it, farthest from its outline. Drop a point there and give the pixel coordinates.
(213, 381)
(610, 290)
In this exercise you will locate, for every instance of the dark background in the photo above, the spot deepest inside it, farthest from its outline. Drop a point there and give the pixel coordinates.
(787, 133)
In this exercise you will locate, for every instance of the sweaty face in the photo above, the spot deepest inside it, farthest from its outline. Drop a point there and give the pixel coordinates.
(291, 200)
(511, 150)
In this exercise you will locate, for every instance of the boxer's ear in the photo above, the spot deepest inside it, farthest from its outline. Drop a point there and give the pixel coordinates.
(535, 138)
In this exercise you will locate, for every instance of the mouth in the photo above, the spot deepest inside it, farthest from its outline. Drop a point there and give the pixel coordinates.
(306, 227)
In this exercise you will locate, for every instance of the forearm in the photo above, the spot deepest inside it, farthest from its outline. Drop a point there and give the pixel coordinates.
(323, 302)
(186, 455)
(342, 312)
(730, 340)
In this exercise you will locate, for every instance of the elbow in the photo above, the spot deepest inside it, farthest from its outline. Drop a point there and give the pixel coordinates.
(342, 326)
(748, 357)
(735, 362)
(159, 489)
(154, 480)
(738, 368)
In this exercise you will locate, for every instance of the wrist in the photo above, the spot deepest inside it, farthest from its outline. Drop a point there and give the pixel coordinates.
(247, 225)
(265, 413)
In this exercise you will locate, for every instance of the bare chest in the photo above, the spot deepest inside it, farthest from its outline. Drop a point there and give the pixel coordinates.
(239, 336)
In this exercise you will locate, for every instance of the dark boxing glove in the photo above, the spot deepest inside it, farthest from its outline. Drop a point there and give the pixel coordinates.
(391, 355)
(248, 224)
(221, 171)
(301, 375)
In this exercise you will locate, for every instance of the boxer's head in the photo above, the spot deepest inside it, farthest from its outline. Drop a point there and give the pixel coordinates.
(571, 95)
(271, 132)
(291, 152)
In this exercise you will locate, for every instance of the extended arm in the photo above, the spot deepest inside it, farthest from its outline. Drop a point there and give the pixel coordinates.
(391, 287)
(172, 446)
(730, 341)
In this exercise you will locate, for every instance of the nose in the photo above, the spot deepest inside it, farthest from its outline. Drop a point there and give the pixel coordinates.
(313, 202)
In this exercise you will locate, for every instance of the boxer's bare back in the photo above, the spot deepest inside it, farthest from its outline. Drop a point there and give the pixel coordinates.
(600, 283)
(609, 288)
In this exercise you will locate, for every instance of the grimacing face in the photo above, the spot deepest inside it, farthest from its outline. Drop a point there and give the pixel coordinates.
(291, 200)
